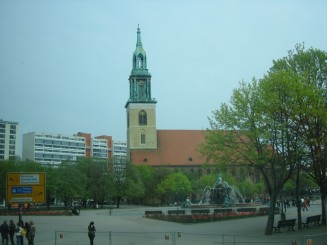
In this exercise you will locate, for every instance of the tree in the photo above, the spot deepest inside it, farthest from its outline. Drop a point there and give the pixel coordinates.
(98, 183)
(70, 183)
(118, 171)
(175, 184)
(311, 66)
(6, 166)
(257, 130)
(150, 180)
(135, 184)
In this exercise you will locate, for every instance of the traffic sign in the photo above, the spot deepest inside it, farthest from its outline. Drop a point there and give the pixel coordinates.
(25, 187)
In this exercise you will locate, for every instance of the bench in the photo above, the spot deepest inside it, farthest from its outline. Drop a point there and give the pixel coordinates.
(265, 210)
(289, 223)
(176, 212)
(312, 219)
(222, 210)
(246, 210)
(200, 211)
(155, 212)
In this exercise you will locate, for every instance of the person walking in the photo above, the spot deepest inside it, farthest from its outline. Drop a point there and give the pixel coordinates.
(12, 228)
(18, 234)
(32, 232)
(27, 229)
(22, 230)
(91, 232)
(5, 233)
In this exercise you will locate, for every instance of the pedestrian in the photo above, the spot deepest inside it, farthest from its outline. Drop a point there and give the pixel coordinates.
(18, 234)
(91, 232)
(12, 228)
(5, 233)
(32, 232)
(305, 204)
(22, 231)
(27, 229)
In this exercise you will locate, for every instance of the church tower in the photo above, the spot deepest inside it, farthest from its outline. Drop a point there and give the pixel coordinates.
(140, 107)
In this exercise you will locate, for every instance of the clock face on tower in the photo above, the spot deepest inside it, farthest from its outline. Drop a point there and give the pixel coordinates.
(141, 89)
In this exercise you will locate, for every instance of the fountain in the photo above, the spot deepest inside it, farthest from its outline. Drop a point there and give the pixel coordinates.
(221, 194)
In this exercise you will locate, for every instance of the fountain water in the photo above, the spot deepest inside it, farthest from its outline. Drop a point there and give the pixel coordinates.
(221, 194)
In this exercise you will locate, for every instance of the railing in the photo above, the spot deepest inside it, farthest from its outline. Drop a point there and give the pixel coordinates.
(182, 238)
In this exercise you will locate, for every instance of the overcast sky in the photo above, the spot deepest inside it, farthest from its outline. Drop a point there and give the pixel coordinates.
(65, 64)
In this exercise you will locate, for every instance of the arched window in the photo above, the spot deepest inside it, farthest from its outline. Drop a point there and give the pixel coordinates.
(143, 137)
(142, 118)
(140, 61)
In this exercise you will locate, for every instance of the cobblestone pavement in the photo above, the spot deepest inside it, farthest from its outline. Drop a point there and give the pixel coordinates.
(130, 219)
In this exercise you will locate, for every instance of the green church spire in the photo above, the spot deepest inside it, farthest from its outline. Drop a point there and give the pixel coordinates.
(140, 78)
(139, 56)
(138, 42)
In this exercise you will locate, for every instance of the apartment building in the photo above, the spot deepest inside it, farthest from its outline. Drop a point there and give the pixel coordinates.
(8, 139)
(52, 149)
(119, 148)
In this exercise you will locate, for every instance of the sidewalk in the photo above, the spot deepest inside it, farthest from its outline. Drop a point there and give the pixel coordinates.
(130, 219)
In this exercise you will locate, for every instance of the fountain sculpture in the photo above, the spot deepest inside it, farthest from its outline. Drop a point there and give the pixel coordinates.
(221, 194)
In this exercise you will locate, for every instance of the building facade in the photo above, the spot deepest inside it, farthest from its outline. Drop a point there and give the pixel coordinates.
(98, 147)
(8, 139)
(119, 148)
(140, 107)
(52, 149)
(145, 144)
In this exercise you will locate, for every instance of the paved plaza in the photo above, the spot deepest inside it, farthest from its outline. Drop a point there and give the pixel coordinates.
(130, 219)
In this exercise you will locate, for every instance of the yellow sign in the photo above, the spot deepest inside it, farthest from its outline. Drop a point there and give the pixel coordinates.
(25, 187)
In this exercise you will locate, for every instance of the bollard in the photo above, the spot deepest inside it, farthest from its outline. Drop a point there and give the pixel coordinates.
(293, 242)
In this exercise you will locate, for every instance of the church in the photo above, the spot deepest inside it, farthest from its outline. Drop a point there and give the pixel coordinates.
(146, 145)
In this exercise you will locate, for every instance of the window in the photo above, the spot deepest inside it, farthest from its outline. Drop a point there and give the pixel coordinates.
(143, 137)
(140, 61)
(142, 118)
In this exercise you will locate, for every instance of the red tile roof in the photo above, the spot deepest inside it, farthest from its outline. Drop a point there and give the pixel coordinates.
(175, 148)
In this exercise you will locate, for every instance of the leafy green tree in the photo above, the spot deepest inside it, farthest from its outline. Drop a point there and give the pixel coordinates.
(5, 167)
(118, 170)
(51, 176)
(206, 180)
(70, 183)
(311, 66)
(135, 186)
(98, 184)
(175, 184)
(150, 181)
(257, 130)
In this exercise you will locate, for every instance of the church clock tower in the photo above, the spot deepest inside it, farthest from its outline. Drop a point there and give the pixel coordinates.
(140, 107)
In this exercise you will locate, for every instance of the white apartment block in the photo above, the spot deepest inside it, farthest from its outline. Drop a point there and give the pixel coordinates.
(52, 149)
(99, 148)
(8, 139)
(119, 148)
